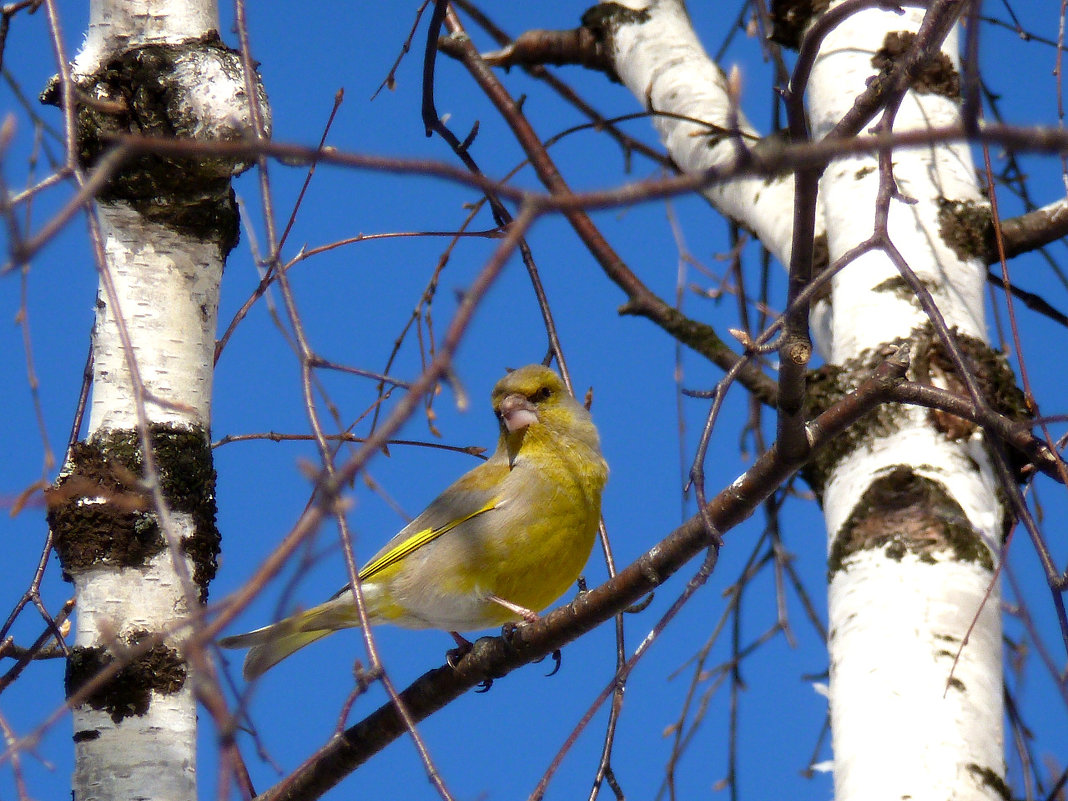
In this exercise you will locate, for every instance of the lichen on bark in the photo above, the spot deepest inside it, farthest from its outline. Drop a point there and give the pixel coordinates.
(141, 92)
(930, 365)
(100, 512)
(129, 691)
(903, 513)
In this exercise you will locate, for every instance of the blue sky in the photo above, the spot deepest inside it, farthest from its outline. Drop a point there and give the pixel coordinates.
(354, 301)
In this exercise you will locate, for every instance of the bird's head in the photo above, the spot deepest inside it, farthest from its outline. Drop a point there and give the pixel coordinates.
(532, 402)
(526, 396)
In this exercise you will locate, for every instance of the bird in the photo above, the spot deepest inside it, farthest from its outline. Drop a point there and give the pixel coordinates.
(499, 545)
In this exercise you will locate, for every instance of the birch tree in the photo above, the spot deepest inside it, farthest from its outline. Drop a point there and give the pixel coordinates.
(133, 512)
(914, 522)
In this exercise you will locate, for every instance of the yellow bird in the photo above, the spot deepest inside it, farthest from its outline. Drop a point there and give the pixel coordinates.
(499, 545)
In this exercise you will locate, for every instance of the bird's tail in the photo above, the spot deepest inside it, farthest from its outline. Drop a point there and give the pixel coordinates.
(271, 644)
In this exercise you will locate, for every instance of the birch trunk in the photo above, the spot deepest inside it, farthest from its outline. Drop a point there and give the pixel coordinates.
(912, 512)
(910, 500)
(133, 511)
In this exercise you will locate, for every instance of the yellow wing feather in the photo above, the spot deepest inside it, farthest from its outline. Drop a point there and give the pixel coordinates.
(417, 541)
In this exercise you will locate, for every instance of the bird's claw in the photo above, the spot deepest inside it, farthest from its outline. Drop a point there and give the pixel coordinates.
(558, 659)
(557, 656)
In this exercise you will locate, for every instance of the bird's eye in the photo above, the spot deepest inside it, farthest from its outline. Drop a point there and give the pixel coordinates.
(540, 395)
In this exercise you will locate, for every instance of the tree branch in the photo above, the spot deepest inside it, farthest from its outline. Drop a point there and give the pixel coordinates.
(698, 336)
(1032, 230)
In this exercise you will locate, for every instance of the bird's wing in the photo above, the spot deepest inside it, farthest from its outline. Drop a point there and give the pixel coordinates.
(473, 494)
(416, 540)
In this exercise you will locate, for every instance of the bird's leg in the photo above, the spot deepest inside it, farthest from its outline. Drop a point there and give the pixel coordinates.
(460, 640)
(522, 611)
(462, 649)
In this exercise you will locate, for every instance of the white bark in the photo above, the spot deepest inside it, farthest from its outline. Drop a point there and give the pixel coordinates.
(118, 25)
(163, 301)
(663, 63)
(899, 729)
(168, 290)
(849, 187)
(153, 359)
(907, 723)
(142, 756)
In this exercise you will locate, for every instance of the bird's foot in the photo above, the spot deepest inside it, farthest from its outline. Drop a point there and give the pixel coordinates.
(462, 649)
(508, 633)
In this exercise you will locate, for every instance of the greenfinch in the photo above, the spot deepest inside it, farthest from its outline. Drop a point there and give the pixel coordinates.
(499, 545)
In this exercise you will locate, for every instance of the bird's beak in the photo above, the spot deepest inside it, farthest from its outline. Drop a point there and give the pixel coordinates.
(517, 413)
